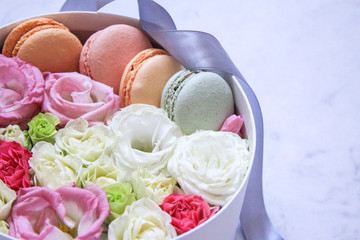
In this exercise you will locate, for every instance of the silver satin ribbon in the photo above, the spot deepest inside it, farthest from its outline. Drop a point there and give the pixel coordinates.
(199, 50)
(84, 5)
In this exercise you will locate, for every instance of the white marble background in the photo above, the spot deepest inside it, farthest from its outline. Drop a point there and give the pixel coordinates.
(302, 58)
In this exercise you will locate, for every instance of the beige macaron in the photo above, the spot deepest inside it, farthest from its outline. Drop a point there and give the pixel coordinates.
(145, 77)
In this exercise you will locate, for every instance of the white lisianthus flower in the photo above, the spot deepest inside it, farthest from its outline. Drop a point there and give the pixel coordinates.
(142, 220)
(13, 133)
(156, 187)
(4, 227)
(7, 197)
(87, 143)
(145, 137)
(52, 169)
(210, 164)
(102, 172)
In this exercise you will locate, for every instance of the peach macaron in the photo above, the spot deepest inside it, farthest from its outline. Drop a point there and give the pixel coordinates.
(44, 43)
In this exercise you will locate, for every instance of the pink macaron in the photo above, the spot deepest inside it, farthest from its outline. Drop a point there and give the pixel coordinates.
(107, 52)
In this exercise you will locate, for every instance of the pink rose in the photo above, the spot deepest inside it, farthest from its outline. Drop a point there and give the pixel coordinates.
(73, 95)
(66, 213)
(187, 211)
(21, 91)
(233, 124)
(14, 165)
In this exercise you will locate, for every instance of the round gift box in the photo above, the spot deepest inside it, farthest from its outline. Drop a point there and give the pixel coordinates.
(223, 224)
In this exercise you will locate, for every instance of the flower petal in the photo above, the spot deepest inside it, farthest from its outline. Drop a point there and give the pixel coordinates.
(145, 137)
(7, 197)
(210, 164)
(143, 219)
(21, 91)
(87, 143)
(53, 170)
(232, 124)
(73, 95)
(88, 209)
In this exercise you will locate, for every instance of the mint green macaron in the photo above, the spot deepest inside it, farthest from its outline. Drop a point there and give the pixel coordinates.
(197, 100)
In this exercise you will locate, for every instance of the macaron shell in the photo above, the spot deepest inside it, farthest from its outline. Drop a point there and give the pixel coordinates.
(15, 35)
(145, 78)
(84, 55)
(30, 33)
(168, 92)
(110, 52)
(53, 50)
(204, 102)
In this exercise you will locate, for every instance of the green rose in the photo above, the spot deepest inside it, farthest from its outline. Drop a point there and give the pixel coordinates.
(119, 196)
(42, 128)
(28, 143)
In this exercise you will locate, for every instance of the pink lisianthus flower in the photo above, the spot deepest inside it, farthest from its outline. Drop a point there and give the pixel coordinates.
(233, 124)
(187, 211)
(21, 91)
(72, 95)
(66, 213)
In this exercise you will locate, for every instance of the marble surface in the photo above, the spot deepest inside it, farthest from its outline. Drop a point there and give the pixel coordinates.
(302, 59)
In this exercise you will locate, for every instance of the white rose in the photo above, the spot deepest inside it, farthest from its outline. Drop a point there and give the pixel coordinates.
(210, 164)
(52, 169)
(102, 172)
(155, 187)
(87, 143)
(143, 219)
(145, 137)
(7, 197)
(13, 133)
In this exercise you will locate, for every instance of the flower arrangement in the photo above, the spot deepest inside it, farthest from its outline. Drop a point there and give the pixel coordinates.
(73, 165)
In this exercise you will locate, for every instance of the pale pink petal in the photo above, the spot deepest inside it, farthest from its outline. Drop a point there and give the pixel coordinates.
(89, 208)
(22, 91)
(57, 234)
(73, 95)
(38, 212)
(47, 217)
(35, 212)
(8, 96)
(48, 230)
(82, 97)
(233, 124)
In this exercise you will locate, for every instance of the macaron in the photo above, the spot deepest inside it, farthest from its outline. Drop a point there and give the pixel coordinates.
(197, 100)
(44, 43)
(145, 77)
(107, 52)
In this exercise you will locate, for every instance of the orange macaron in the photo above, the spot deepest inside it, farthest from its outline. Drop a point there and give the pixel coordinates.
(44, 43)
(145, 77)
